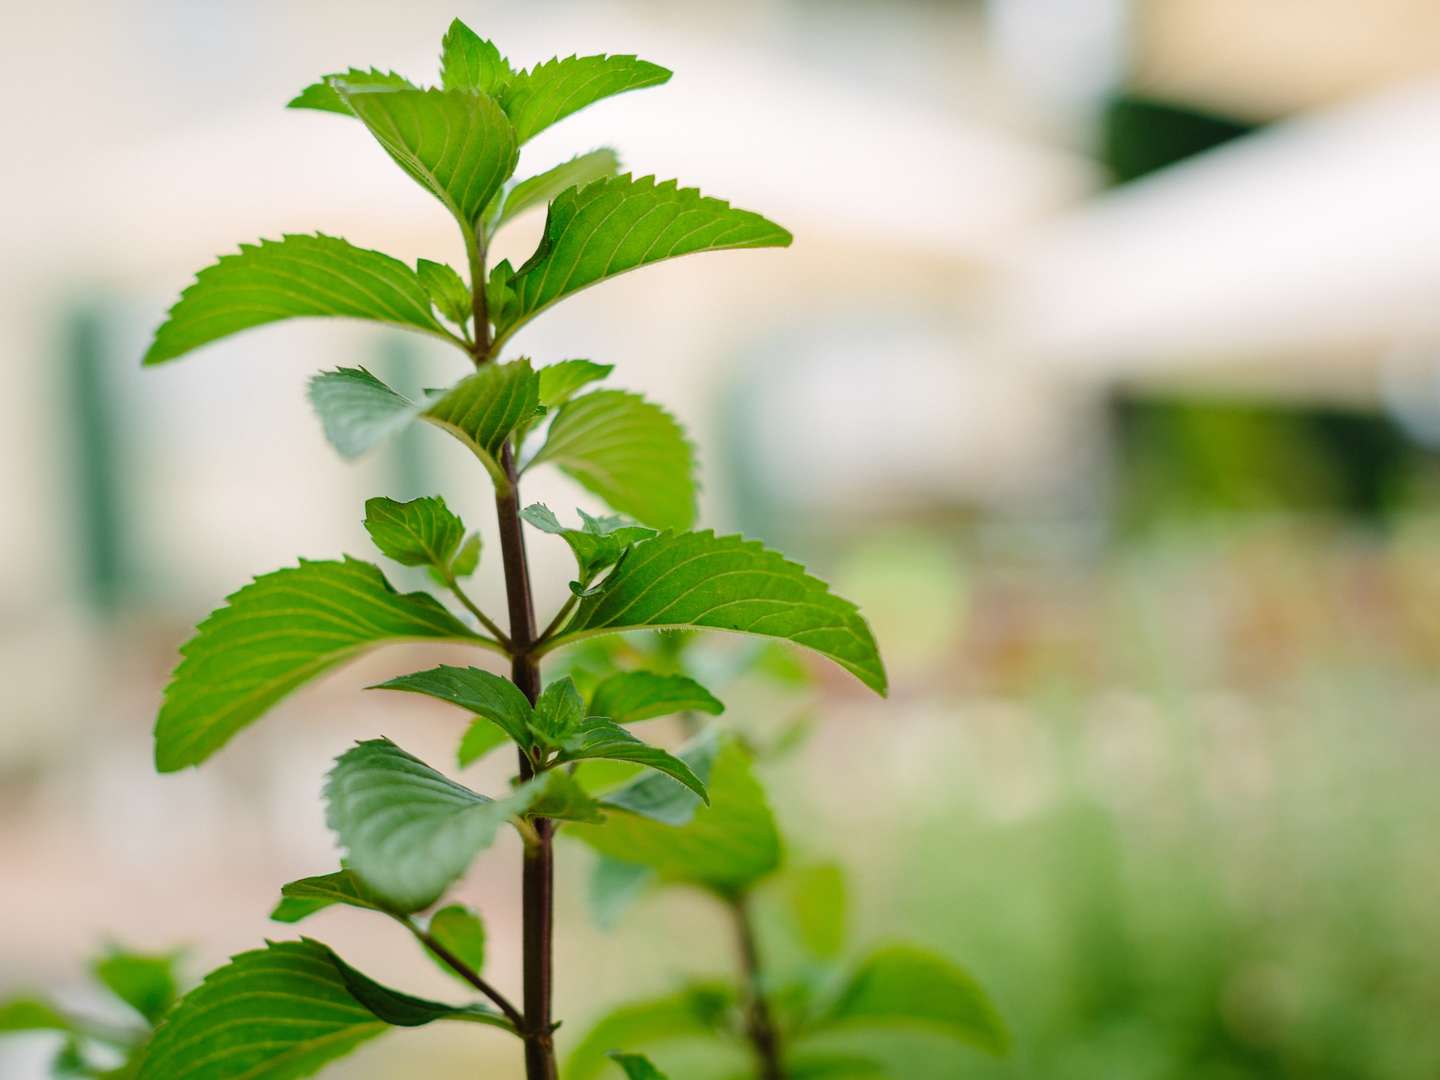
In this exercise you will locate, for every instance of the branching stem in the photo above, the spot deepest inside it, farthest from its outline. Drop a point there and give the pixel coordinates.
(500, 636)
(466, 972)
(759, 1024)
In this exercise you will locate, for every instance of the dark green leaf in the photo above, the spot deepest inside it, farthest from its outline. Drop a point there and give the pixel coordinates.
(541, 188)
(422, 532)
(597, 545)
(726, 846)
(560, 381)
(631, 696)
(558, 712)
(408, 830)
(611, 226)
(816, 903)
(636, 1066)
(293, 277)
(357, 410)
(322, 95)
(628, 451)
(499, 296)
(598, 737)
(404, 1010)
(301, 899)
(146, 982)
(904, 986)
(278, 632)
(469, 62)
(483, 409)
(31, 1014)
(492, 697)
(694, 1013)
(447, 290)
(457, 145)
(681, 580)
(658, 797)
(461, 932)
(551, 91)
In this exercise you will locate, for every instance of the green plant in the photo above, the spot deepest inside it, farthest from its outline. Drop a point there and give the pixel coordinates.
(409, 832)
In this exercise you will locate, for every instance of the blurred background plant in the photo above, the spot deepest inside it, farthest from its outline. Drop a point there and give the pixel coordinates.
(1115, 328)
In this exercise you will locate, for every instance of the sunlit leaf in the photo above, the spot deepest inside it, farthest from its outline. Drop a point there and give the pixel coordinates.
(421, 532)
(321, 95)
(560, 381)
(470, 62)
(538, 190)
(448, 291)
(551, 91)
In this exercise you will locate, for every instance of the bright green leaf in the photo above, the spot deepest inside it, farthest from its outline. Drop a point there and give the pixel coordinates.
(293, 277)
(457, 145)
(598, 737)
(467, 558)
(558, 712)
(905, 987)
(816, 903)
(698, 579)
(551, 91)
(31, 1014)
(694, 1013)
(496, 699)
(447, 290)
(611, 226)
(636, 1066)
(598, 545)
(483, 409)
(500, 298)
(726, 846)
(631, 696)
(278, 632)
(538, 190)
(470, 62)
(322, 95)
(628, 451)
(409, 831)
(301, 899)
(560, 381)
(144, 981)
(422, 532)
(357, 410)
(461, 932)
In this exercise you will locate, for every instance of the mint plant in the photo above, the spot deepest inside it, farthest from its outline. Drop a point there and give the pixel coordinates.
(408, 831)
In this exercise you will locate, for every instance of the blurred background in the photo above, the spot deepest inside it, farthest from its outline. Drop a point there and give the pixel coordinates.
(1104, 374)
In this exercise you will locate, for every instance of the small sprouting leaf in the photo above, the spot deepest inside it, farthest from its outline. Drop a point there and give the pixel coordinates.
(599, 738)
(560, 381)
(457, 145)
(636, 1066)
(496, 699)
(597, 545)
(499, 296)
(816, 902)
(551, 91)
(357, 410)
(727, 846)
(659, 797)
(277, 633)
(303, 898)
(144, 981)
(693, 1013)
(631, 696)
(447, 290)
(628, 451)
(470, 62)
(31, 1014)
(901, 986)
(321, 95)
(558, 712)
(611, 226)
(461, 932)
(563, 798)
(422, 532)
(541, 188)
(409, 831)
(293, 277)
(483, 409)
(699, 579)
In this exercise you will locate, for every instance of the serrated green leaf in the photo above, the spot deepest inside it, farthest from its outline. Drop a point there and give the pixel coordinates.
(461, 932)
(636, 1066)
(496, 699)
(598, 545)
(447, 290)
(408, 830)
(628, 451)
(727, 846)
(598, 737)
(294, 277)
(301, 899)
(457, 145)
(31, 1014)
(658, 797)
(698, 579)
(321, 95)
(551, 91)
(816, 902)
(357, 410)
(902, 986)
(470, 62)
(484, 409)
(560, 381)
(693, 1013)
(539, 189)
(620, 224)
(277, 633)
(631, 696)
(421, 532)
(558, 712)
(144, 981)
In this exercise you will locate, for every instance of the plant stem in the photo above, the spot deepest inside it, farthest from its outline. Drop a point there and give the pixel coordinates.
(466, 972)
(500, 636)
(759, 1024)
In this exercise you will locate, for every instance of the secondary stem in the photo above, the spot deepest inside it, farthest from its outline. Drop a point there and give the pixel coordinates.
(469, 974)
(759, 1024)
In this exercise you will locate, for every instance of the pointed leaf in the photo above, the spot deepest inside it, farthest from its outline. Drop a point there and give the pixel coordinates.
(659, 797)
(467, 558)
(727, 583)
(560, 381)
(598, 737)
(357, 410)
(482, 736)
(538, 190)
(551, 91)
(321, 95)
(277, 633)
(301, 899)
(461, 932)
(408, 830)
(628, 451)
(469, 62)
(631, 696)
(902, 986)
(496, 699)
(145, 982)
(694, 1013)
(483, 409)
(457, 145)
(422, 532)
(293, 277)
(558, 712)
(447, 290)
(612, 226)
(405, 1010)
(636, 1066)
